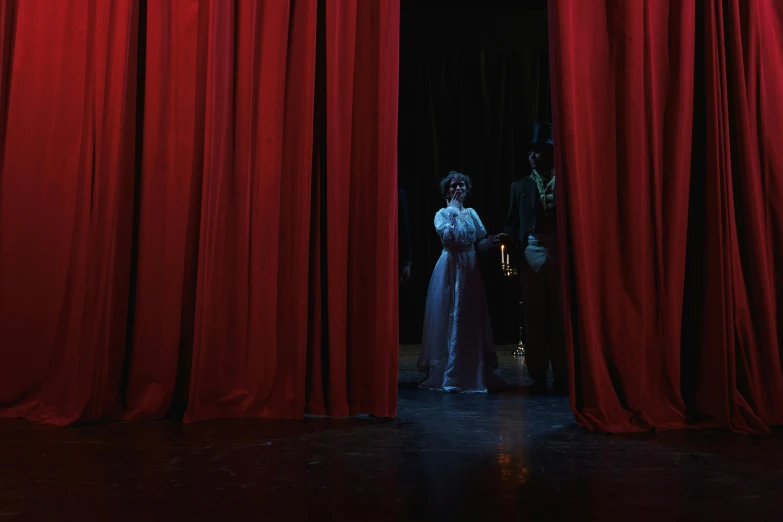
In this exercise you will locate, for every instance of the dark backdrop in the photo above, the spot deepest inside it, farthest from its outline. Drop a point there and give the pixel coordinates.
(471, 85)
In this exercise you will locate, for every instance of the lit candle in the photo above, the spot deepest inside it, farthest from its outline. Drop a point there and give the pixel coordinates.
(502, 254)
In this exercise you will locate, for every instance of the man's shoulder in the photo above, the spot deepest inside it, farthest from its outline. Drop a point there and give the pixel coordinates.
(522, 181)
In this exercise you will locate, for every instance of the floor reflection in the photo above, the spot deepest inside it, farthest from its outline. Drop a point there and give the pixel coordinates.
(512, 367)
(474, 457)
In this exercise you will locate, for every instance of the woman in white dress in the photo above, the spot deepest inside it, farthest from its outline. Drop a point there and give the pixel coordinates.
(458, 350)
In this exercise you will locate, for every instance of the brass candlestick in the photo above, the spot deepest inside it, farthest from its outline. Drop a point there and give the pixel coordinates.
(508, 271)
(519, 351)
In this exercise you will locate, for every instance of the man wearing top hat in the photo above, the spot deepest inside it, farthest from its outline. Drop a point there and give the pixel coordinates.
(532, 223)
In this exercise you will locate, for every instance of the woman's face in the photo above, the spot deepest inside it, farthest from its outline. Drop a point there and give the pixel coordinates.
(457, 187)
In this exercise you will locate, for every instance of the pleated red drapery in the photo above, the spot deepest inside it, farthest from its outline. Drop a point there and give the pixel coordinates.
(227, 170)
(360, 160)
(672, 217)
(218, 245)
(66, 206)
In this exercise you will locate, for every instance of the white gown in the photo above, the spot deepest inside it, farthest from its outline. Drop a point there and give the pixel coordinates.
(458, 348)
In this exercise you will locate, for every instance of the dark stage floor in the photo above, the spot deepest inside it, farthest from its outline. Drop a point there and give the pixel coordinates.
(447, 457)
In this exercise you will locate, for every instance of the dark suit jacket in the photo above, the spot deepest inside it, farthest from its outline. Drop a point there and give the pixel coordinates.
(403, 230)
(521, 219)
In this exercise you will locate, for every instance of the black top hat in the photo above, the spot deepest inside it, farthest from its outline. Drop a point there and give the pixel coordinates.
(542, 133)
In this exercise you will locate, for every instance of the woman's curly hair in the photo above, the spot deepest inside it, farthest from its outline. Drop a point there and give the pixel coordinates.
(445, 183)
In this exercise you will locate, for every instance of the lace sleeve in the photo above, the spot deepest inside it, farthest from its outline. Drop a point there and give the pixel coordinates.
(481, 232)
(483, 241)
(449, 227)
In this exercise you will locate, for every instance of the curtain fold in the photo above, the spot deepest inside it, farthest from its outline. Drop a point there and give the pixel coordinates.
(66, 205)
(741, 376)
(671, 278)
(169, 208)
(357, 223)
(237, 368)
(7, 32)
(167, 269)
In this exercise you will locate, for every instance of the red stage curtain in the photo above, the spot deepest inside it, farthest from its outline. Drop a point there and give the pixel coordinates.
(7, 30)
(672, 225)
(224, 216)
(355, 303)
(66, 203)
(213, 252)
